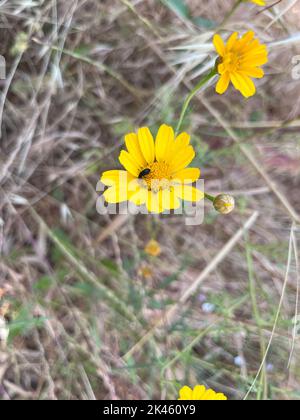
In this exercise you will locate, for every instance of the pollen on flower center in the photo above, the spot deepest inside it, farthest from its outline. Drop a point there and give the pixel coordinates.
(159, 176)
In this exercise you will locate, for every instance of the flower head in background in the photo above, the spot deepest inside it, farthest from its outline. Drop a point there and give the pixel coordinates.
(156, 172)
(200, 393)
(153, 248)
(239, 61)
(146, 272)
(259, 2)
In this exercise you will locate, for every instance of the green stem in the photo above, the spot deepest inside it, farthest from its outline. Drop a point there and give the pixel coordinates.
(190, 96)
(232, 11)
(209, 197)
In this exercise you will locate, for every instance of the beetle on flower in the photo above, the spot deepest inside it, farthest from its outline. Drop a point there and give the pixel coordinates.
(156, 172)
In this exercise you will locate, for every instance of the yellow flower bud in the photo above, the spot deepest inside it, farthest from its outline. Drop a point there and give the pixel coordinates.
(224, 203)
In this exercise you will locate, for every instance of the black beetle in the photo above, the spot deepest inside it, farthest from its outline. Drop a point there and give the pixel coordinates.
(144, 173)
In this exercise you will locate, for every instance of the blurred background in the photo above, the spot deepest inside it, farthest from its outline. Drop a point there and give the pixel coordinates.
(83, 298)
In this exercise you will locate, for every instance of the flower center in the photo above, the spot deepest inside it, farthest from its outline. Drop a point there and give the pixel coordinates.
(159, 176)
(231, 61)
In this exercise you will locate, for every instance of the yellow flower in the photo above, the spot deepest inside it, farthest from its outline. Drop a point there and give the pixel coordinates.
(146, 272)
(259, 2)
(200, 393)
(153, 248)
(156, 172)
(239, 60)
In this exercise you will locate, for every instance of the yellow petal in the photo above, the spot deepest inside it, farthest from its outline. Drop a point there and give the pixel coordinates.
(133, 147)
(254, 55)
(164, 143)
(219, 45)
(185, 393)
(221, 397)
(181, 141)
(246, 38)
(169, 200)
(209, 395)
(223, 83)
(110, 178)
(154, 202)
(134, 185)
(187, 175)
(244, 84)
(254, 47)
(198, 392)
(115, 195)
(222, 68)
(182, 158)
(259, 2)
(147, 144)
(231, 41)
(188, 193)
(139, 197)
(255, 60)
(129, 163)
(253, 72)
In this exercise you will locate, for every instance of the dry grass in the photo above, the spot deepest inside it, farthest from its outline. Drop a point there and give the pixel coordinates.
(83, 322)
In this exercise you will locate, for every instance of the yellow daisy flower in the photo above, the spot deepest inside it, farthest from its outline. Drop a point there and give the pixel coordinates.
(200, 393)
(259, 2)
(156, 172)
(239, 60)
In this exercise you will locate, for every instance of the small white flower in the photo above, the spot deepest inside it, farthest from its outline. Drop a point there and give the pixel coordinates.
(208, 307)
(239, 361)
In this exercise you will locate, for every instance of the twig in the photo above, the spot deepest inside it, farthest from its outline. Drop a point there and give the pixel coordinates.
(116, 224)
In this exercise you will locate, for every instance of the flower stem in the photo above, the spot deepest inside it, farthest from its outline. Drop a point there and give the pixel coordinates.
(190, 96)
(209, 197)
(229, 15)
